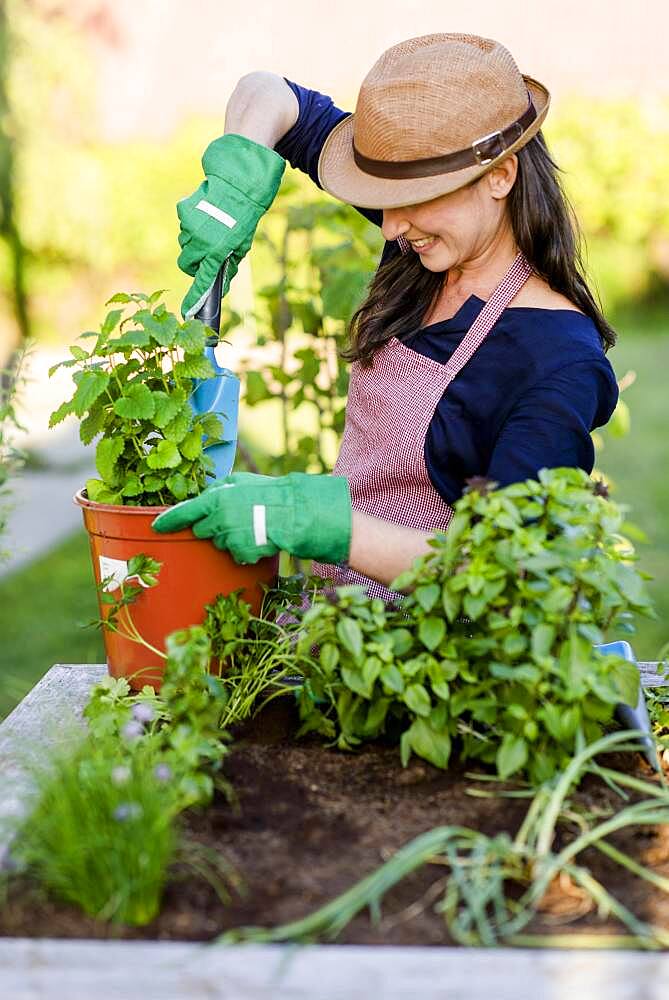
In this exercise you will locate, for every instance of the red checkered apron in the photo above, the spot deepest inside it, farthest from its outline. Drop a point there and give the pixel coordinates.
(390, 406)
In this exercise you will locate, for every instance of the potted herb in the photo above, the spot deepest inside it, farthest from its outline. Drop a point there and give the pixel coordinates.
(135, 380)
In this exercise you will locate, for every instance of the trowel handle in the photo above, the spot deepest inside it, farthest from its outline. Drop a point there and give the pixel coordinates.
(210, 311)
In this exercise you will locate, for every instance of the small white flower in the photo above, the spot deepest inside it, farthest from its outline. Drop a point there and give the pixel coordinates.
(143, 712)
(132, 730)
(162, 772)
(120, 774)
(127, 811)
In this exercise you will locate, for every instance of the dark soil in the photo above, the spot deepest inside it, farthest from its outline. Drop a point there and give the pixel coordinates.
(309, 822)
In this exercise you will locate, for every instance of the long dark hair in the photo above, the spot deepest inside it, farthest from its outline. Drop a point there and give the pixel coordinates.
(545, 229)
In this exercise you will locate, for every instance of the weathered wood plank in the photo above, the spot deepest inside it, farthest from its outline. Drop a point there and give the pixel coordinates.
(110, 970)
(43, 721)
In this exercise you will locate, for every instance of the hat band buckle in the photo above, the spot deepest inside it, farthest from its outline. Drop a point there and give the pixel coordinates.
(489, 147)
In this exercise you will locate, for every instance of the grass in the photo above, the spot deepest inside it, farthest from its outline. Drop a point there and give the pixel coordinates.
(43, 609)
(638, 463)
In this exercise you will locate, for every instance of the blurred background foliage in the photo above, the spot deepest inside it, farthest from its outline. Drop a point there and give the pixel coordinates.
(81, 218)
(94, 216)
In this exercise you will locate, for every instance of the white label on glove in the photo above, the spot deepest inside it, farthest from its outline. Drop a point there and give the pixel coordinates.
(259, 524)
(216, 213)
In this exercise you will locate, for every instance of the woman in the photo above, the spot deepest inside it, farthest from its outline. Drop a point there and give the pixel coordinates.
(479, 350)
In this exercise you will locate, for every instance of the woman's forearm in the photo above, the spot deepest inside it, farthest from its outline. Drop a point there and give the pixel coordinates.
(382, 550)
(262, 107)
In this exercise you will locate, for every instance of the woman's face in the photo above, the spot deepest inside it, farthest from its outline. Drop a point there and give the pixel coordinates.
(458, 228)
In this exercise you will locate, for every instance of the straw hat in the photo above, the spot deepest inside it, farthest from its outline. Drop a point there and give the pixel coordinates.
(433, 114)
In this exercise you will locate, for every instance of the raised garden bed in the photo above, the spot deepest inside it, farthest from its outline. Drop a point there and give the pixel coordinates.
(309, 822)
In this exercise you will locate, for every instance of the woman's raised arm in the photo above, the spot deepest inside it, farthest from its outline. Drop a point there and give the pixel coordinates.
(262, 107)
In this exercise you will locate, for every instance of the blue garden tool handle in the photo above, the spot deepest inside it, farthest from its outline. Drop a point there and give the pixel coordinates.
(220, 392)
(634, 717)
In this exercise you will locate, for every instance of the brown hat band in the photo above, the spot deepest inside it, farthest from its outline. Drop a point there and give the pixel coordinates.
(482, 151)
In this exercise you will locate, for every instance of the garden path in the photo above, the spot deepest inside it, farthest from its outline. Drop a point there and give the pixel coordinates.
(41, 510)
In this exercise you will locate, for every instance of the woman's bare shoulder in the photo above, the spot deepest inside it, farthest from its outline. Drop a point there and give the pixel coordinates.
(537, 294)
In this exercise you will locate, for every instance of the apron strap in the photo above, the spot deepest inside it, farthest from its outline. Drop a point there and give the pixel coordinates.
(508, 288)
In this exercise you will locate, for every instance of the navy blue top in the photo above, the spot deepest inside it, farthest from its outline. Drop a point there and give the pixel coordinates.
(532, 392)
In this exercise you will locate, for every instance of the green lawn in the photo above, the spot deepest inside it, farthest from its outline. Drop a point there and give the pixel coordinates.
(44, 606)
(639, 467)
(43, 609)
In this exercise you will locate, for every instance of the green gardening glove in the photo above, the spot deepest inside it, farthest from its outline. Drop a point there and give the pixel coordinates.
(254, 516)
(219, 220)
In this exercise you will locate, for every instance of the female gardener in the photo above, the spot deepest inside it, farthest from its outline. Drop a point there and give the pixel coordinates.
(479, 350)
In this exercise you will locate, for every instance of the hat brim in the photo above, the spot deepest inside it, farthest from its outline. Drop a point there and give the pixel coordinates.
(340, 176)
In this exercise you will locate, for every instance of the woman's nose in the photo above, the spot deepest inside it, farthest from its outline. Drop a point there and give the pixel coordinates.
(394, 223)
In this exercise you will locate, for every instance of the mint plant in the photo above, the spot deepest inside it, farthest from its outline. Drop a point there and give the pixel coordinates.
(133, 387)
(491, 654)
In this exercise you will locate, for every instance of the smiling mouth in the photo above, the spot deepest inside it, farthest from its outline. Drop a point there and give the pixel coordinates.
(424, 243)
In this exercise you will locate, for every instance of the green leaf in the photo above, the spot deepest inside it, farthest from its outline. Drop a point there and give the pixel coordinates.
(355, 681)
(178, 486)
(90, 385)
(450, 602)
(136, 403)
(427, 595)
(329, 656)
(557, 600)
(474, 604)
(131, 338)
(543, 636)
(431, 631)
(192, 336)
(161, 328)
(167, 405)
(402, 641)
(350, 636)
(107, 454)
(256, 389)
(430, 744)
(93, 424)
(627, 679)
(511, 755)
(552, 716)
(191, 446)
(78, 353)
(64, 410)
(342, 292)
(514, 644)
(392, 679)
(371, 669)
(177, 428)
(98, 492)
(213, 426)
(164, 456)
(133, 487)
(417, 699)
(376, 716)
(111, 321)
(194, 366)
(119, 297)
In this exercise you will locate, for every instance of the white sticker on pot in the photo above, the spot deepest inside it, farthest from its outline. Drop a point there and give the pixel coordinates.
(117, 569)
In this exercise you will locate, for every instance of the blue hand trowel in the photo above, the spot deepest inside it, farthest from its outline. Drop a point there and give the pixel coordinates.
(634, 717)
(220, 393)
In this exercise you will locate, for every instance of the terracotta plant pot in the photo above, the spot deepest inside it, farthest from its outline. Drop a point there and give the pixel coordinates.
(193, 573)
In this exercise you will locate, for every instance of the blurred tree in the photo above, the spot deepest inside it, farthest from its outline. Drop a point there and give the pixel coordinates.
(9, 232)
